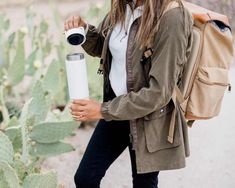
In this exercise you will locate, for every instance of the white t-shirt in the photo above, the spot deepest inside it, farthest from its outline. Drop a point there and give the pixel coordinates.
(118, 47)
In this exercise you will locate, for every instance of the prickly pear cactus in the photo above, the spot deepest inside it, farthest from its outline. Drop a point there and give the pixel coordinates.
(49, 150)
(17, 67)
(8, 177)
(24, 131)
(52, 80)
(48, 180)
(3, 183)
(39, 106)
(14, 134)
(6, 149)
(28, 138)
(52, 132)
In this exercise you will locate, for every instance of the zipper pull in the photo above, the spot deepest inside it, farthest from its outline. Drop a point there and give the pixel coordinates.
(101, 67)
(229, 88)
(131, 138)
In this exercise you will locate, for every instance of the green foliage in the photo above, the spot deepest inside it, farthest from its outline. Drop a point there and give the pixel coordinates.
(14, 134)
(17, 67)
(14, 112)
(11, 39)
(30, 62)
(4, 22)
(24, 119)
(6, 149)
(39, 106)
(3, 108)
(95, 80)
(48, 150)
(53, 85)
(52, 132)
(33, 92)
(8, 176)
(48, 180)
(43, 27)
(52, 80)
(3, 182)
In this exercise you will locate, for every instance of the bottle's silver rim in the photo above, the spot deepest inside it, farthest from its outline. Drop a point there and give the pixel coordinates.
(75, 56)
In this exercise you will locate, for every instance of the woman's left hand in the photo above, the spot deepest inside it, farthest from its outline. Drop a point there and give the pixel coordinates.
(85, 110)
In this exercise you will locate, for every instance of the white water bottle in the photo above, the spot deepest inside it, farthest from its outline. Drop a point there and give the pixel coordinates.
(77, 76)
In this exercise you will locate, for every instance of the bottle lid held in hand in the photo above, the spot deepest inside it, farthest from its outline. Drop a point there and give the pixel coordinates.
(76, 36)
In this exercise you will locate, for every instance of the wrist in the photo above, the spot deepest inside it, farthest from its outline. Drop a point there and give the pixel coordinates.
(100, 112)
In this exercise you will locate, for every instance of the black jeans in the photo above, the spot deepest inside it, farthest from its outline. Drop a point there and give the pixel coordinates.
(108, 141)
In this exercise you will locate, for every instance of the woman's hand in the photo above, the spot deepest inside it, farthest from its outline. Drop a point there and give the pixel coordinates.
(74, 22)
(85, 110)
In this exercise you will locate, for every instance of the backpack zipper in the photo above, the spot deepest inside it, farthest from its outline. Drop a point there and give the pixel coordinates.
(213, 83)
(229, 88)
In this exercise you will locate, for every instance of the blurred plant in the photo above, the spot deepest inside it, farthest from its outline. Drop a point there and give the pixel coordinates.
(30, 134)
(34, 130)
(95, 14)
(26, 141)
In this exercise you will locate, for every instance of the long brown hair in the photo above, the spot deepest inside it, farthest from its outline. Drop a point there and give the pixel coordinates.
(152, 11)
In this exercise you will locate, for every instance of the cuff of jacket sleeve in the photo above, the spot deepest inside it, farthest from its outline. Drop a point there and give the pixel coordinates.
(88, 32)
(105, 111)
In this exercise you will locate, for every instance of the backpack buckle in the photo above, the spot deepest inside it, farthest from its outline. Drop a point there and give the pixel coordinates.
(147, 54)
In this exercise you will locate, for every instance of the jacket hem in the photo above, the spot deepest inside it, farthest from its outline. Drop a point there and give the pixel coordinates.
(177, 166)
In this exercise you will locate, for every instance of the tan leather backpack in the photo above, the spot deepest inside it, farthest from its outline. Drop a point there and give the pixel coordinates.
(205, 77)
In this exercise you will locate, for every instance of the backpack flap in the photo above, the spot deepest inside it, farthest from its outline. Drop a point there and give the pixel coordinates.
(204, 15)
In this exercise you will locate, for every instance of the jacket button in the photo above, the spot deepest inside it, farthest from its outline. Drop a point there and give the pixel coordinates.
(162, 110)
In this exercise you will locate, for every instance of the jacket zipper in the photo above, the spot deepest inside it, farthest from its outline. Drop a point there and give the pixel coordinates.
(133, 131)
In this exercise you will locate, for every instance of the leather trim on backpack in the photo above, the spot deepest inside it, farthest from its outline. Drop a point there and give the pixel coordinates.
(204, 15)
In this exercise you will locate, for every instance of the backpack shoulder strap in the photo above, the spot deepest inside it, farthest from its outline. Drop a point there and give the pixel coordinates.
(170, 6)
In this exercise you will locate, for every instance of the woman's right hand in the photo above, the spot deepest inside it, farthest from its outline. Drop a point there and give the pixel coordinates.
(74, 22)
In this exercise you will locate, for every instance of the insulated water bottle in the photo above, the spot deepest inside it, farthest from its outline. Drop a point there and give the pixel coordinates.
(77, 76)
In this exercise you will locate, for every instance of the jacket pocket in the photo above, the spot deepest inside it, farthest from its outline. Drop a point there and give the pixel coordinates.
(159, 113)
(156, 127)
(207, 93)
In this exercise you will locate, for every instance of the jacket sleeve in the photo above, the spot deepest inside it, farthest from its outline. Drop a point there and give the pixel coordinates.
(95, 39)
(169, 55)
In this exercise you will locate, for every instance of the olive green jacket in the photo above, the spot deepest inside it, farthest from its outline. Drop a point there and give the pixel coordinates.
(148, 104)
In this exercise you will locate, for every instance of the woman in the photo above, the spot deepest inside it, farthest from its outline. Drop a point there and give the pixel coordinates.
(143, 48)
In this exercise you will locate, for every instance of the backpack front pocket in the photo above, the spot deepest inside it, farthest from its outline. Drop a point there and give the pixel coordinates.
(207, 93)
